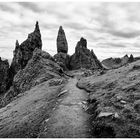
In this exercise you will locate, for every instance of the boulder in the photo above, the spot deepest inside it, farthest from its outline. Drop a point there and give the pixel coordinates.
(83, 57)
(105, 114)
(62, 45)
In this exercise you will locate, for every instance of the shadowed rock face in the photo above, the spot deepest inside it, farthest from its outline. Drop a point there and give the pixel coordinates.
(63, 60)
(62, 45)
(16, 63)
(4, 67)
(24, 51)
(125, 59)
(40, 68)
(83, 57)
(131, 58)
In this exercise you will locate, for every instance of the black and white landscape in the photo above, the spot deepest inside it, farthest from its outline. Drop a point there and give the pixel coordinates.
(74, 71)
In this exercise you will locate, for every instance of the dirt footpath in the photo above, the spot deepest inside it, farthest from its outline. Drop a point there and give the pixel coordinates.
(69, 120)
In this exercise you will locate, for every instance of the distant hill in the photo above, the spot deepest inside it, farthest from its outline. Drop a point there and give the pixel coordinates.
(111, 63)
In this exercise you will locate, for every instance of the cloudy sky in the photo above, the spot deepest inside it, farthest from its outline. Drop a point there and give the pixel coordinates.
(111, 29)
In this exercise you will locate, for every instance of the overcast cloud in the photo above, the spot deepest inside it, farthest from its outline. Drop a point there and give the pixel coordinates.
(111, 29)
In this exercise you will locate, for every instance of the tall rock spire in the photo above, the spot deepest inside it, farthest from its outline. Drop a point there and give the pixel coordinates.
(17, 44)
(62, 45)
(131, 58)
(83, 42)
(37, 27)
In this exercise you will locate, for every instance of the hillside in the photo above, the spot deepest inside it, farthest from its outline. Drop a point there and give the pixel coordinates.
(113, 63)
(114, 101)
(104, 104)
(68, 96)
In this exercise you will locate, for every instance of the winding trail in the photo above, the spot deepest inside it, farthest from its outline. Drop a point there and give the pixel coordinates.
(69, 120)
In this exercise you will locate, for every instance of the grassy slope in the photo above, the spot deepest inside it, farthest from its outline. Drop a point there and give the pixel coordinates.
(118, 92)
(24, 115)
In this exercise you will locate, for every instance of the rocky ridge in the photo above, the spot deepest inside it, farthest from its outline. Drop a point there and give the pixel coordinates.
(111, 63)
(40, 68)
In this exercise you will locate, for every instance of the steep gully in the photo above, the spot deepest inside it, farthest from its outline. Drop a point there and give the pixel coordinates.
(69, 119)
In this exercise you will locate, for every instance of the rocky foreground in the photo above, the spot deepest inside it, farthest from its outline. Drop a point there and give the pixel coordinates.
(68, 96)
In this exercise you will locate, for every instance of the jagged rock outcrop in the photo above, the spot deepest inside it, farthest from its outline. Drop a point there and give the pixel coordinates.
(125, 59)
(40, 68)
(131, 58)
(16, 62)
(62, 45)
(23, 52)
(83, 57)
(4, 68)
(112, 63)
(62, 58)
